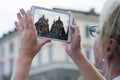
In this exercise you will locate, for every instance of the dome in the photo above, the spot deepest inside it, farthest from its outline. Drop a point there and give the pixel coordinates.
(59, 21)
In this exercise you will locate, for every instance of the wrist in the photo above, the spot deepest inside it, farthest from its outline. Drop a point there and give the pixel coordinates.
(77, 55)
(22, 68)
(26, 53)
(24, 57)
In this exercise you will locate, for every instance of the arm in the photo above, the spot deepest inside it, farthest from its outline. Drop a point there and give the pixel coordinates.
(87, 70)
(29, 45)
(73, 49)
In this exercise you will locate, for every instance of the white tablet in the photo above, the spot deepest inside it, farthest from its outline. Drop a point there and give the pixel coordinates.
(52, 24)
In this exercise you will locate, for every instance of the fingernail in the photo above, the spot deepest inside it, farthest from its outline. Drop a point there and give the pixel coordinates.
(18, 13)
(28, 11)
(21, 9)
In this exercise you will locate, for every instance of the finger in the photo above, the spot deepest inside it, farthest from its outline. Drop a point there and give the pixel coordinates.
(25, 23)
(30, 21)
(74, 22)
(75, 29)
(67, 47)
(22, 11)
(24, 18)
(44, 41)
(19, 16)
(16, 25)
(20, 21)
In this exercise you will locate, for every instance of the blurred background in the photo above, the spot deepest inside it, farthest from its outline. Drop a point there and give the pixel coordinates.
(52, 62)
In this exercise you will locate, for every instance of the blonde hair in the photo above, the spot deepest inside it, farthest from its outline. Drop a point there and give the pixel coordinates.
(110, 24)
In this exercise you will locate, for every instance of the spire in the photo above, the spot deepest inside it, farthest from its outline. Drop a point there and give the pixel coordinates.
(59, 21)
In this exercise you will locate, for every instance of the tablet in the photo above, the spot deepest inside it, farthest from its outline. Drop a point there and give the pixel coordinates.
(52, 24)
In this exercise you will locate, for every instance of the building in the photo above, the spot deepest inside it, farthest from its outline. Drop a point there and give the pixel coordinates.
(52, 62)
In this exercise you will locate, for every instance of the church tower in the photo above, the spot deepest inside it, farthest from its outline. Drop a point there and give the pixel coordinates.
(57, 30)
(42, 26)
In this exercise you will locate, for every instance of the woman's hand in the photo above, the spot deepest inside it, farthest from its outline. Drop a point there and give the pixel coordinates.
(74, 47)
(74, 51)
(29, 45)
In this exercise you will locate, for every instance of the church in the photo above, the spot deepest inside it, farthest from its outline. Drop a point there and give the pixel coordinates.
(57, 29)
(42, 27)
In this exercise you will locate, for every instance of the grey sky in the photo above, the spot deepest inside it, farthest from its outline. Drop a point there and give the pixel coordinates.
(9, 8)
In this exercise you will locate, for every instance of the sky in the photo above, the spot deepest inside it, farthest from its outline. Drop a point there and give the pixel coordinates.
(9, 9)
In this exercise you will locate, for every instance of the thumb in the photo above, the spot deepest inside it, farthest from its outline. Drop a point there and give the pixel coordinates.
(44, 41)
(74, 22)
(67, 47)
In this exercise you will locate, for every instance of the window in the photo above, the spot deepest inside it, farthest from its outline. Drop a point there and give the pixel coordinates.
(11, 65)
(39, 78)
(87, 35)
(67, 59)
(2, 51)
(68, 78)
(40, 58)
(88, 54)
(50, 53)
(1, 71)
(11, 47)
(35, 62)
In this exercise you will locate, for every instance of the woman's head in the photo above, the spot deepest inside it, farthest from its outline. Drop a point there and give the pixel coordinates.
(108, 44)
